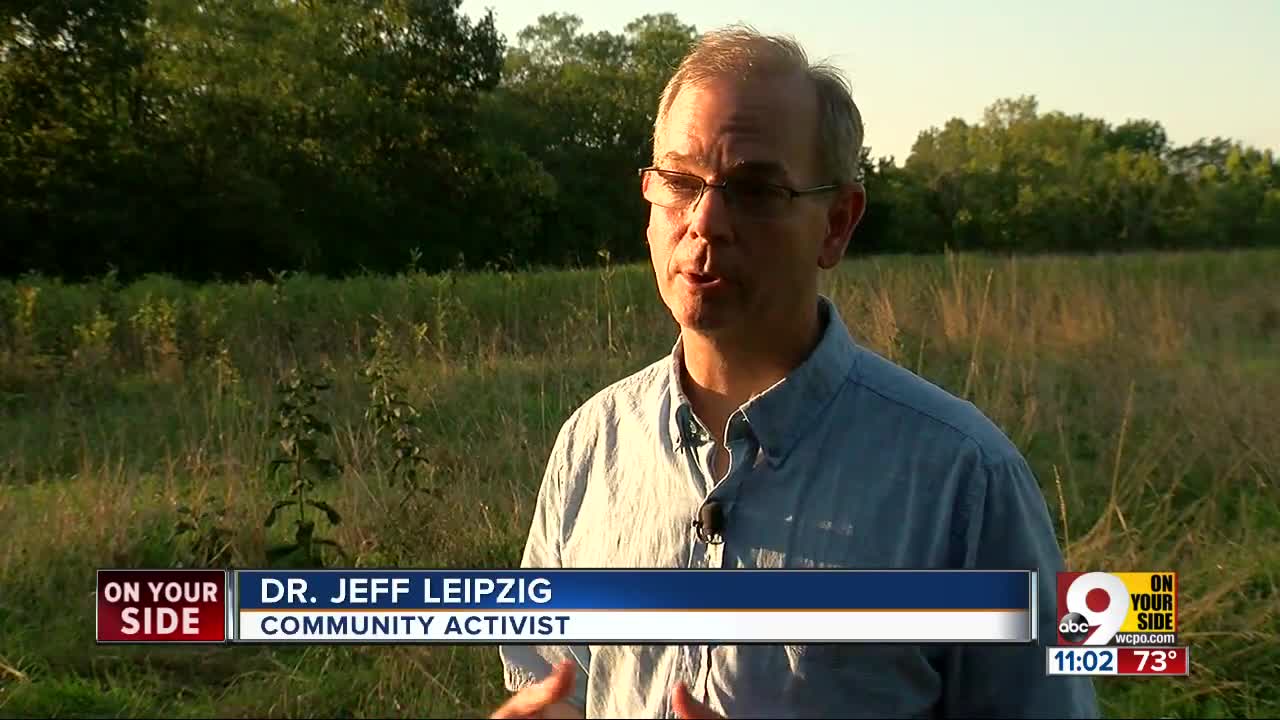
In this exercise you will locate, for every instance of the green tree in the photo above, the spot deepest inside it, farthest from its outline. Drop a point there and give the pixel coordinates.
(583, 106)
(242, 137)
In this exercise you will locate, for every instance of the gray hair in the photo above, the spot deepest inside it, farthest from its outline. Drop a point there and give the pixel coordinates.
(740, 50)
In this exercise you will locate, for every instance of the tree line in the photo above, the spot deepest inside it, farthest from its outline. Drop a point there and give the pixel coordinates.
(231, 138)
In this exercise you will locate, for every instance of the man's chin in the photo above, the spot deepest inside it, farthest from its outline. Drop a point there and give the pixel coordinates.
(708, 313)
(706, 320)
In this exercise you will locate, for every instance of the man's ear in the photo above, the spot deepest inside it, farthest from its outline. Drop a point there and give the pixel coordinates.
(843, 215)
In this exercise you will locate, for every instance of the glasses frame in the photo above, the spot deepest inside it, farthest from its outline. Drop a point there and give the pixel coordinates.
(793, 193)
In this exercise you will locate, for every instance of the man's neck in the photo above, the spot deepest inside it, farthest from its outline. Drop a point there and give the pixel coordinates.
(721, 372)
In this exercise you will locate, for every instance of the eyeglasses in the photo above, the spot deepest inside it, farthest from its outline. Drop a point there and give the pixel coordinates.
(754, 198)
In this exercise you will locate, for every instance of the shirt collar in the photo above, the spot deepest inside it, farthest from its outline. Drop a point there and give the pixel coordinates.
(780, 415)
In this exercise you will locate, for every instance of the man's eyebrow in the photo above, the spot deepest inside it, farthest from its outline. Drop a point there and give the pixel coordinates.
(677, 158)
(769, 168)
(759, 167)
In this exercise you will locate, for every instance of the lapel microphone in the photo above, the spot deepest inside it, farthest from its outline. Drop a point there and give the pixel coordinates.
(710, 523)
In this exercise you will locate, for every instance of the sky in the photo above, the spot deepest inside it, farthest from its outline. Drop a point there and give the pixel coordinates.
(1202, 69)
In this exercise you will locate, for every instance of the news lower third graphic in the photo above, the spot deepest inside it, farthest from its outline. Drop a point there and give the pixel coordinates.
(1130, 608)
(1122, 623)
(577, 606)
(162, 606)
(1119, 661)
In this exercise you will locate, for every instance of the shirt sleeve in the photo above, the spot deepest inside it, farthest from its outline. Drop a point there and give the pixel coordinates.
(1010, 528)
(527, 664)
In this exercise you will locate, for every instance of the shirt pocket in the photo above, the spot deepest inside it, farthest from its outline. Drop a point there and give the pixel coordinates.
(834, 669)
(860, 681)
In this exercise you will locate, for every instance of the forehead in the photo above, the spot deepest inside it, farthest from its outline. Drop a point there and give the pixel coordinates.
(718, 124)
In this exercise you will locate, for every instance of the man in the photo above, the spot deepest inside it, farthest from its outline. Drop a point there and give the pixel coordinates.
(823, 453)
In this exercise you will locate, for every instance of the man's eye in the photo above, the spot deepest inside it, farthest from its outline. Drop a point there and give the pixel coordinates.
(756, 191)
(681, 184)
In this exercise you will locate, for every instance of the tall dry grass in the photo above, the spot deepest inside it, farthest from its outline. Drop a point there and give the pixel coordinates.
(1140, 388)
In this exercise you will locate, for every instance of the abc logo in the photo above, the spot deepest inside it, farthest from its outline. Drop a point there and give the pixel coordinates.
(1093, 607)
(1073, 627)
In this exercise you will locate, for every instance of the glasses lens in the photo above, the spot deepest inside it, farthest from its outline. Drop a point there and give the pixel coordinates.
(679, 190)
(672, 190)
(758, 199)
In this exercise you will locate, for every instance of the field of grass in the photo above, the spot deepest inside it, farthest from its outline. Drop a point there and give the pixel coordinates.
(1142, 388)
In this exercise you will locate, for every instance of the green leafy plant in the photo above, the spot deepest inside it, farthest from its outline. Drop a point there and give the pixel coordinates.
(24, 317)
(394, 419)
(221, 372)
(302, 435)
(156, 324)
(93, 339)
(202, 536)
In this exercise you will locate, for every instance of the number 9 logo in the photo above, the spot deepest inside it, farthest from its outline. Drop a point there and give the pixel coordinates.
(1085, 596)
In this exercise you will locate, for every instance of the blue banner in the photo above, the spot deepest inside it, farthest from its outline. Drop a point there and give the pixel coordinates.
(633, 589)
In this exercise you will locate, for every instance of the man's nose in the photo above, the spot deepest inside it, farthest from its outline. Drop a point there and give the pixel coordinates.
(709, 217)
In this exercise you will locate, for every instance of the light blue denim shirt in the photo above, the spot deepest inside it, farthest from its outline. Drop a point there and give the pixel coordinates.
(848, 462)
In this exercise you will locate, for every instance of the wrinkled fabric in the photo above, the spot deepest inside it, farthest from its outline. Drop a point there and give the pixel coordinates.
(849, 462)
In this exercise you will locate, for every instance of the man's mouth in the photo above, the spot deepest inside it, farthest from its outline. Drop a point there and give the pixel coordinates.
(701, 280)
